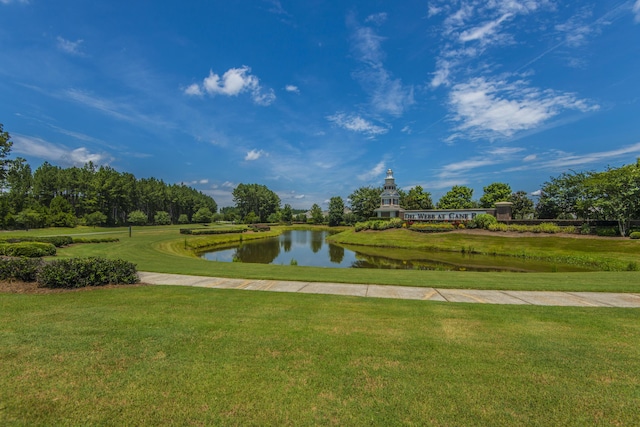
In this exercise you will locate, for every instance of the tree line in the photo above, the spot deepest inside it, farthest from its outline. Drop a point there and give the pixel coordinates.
(612, 195)
(64, 197)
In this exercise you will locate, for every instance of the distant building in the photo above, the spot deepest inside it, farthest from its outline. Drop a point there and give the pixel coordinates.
(389, 199)
(390, 208)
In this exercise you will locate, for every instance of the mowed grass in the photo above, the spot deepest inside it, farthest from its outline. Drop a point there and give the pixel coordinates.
(163, 249)
(189, 356)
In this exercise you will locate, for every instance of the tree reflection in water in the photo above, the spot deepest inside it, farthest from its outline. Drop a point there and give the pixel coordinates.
(336, 253)
(264, 253)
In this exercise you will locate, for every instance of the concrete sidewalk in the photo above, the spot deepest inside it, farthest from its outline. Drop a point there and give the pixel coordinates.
(575, 299)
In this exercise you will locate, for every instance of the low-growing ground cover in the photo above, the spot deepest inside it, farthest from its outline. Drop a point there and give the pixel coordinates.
(163, 249)
(182, 356)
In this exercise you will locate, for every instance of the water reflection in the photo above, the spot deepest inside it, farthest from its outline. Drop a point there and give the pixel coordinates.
(308, 248)
(336, 254)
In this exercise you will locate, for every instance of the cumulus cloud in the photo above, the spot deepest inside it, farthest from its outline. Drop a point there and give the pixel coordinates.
(36, 147)
(254, 155)
(292, 88)
(486, 108)
(70, 47)
(357, 124)
(232, 83)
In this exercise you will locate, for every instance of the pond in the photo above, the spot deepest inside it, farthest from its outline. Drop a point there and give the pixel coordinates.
(309, 248)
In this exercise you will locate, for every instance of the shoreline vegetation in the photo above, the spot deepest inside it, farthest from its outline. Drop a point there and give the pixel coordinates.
(163, 249)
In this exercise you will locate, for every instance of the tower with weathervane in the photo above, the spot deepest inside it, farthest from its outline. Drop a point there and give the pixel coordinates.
(389, 199)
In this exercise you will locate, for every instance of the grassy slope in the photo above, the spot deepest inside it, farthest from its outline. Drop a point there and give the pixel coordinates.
(162, 249)
(167, 355)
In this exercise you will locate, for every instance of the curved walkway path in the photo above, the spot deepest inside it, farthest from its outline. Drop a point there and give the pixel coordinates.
(576, 299)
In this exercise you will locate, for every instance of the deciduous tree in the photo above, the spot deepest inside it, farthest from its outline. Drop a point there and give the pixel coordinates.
(364, 201)
(416, 199)
(336, 211)
(495, 192)
(459, 197)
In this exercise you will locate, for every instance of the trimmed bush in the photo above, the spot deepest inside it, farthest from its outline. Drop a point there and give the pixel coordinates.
(431, 227)
(484, 221)
(27, 249)
(57, 241)
(201, 231)
(498, 227)
(81, 272)
(635, 235)
(95, 239)
(24, 269)
(379, 224)
(607, 232)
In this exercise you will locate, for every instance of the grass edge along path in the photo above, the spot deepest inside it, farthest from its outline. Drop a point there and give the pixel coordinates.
(162, 249)
(178, 356)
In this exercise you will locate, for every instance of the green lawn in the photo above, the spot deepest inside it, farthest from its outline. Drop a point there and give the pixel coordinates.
(189, 356)
(163, 249)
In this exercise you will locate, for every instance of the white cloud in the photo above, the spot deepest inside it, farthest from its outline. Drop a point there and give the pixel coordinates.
(31, 146)
(388, 94)
(496, 108)
(484, 33)
(292, 88)
(232, 83)
(530, 158)
(194, 90)
(254, 155)
(67, 46)
(375, 172)
(576, 30)
(636, 11)
(567, 160)
(17, 1)
(378, 18)
(356, 123)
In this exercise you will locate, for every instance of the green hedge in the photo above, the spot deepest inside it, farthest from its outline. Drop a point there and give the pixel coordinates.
(27, 249)
(432, 227)
(379, 224)
(95, 239)
(24, 269)
(57, 241)
(202, 231)
(547, 227)
(635, 235)
(81, 272)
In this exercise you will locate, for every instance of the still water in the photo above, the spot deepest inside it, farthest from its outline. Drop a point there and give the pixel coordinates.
(309, 248)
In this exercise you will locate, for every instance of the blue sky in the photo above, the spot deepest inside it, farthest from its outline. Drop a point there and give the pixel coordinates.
(317, 98)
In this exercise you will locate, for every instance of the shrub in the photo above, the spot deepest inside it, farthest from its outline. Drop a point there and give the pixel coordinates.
(95, 239)
(635, 235)
(162, 218)
(81, 272)
(27, 249)
(498, 227)
(607, 231)
(24, 269)
(183, 219)
(57, 241)
(484, 221)
(379, 224)
(585, 228)
(201, 231)
(432, 227)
